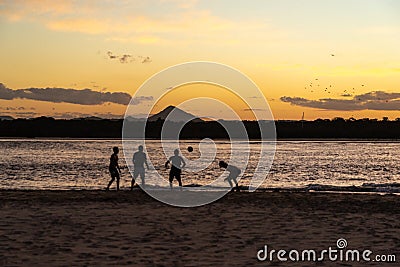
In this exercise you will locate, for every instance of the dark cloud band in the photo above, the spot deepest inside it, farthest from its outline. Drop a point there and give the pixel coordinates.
(377, 100)
(73, 96)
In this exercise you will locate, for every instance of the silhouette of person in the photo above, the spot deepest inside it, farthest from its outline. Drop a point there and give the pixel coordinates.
(177, 164)
(139, 159)
(114, 168)
(233, 173)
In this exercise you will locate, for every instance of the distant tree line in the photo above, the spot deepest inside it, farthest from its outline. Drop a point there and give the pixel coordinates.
(105, 128)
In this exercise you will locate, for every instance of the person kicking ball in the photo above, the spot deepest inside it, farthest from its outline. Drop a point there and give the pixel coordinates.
(176, 169)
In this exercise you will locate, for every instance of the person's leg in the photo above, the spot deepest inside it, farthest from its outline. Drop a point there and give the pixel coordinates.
(111, 181)
(230, 183)
(178, 177)
(230, 178)
(135, 175)
(237, 186)
(142, 175)
(171, 178)
(132, 183)
(117, 177)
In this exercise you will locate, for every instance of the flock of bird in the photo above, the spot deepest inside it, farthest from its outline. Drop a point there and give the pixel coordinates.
(315, 85)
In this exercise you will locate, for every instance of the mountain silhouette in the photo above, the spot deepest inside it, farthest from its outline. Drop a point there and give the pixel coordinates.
(6, 118)
(179, 115)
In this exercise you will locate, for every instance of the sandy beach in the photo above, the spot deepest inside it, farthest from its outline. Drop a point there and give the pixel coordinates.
(97, 228)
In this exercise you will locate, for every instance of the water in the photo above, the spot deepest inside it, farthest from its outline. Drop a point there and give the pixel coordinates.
(83, 164)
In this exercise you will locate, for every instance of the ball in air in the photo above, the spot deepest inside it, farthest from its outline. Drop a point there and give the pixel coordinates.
(190, 149)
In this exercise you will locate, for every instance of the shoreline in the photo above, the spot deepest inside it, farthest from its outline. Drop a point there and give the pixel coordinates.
(18, 195)
(300, 139)
(366, 188)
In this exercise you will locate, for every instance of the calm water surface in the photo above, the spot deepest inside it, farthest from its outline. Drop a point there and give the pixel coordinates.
(83, 164)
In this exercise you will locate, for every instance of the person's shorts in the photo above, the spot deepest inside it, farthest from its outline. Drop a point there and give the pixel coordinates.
(114, 173)
(175, 172)
(138, 171)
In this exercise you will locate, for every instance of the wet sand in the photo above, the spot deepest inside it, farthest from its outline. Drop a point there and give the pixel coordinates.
(97, 228)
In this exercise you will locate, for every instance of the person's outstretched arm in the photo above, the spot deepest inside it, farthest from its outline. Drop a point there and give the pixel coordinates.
(166, 164)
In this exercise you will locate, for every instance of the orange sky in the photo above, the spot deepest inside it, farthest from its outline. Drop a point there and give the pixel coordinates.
(324, 58)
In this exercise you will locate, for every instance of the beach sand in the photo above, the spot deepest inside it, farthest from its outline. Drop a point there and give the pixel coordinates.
(98, 228)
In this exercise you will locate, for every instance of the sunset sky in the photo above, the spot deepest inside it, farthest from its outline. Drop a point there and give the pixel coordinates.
(331, 58)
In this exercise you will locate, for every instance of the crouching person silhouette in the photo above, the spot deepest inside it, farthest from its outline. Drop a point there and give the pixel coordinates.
(234, 172)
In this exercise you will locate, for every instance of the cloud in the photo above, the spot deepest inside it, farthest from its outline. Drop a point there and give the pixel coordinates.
(254, 109)
(74, 115)
(16, 10)
(376, 100)
(139, 99)
(62, 115)
(15, 108)
(143, 22)
(110, 55)
(127, 58)
(124, 58)
(59, 95)
(146, 60)
(20, 114)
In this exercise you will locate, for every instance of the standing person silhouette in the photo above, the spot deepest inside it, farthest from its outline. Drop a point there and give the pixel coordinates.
(177, 165)
(139, 159)
(233, 173)
(114, 169)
